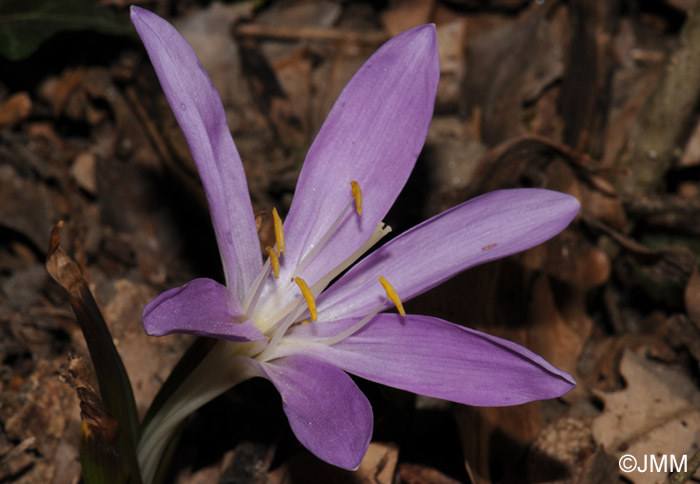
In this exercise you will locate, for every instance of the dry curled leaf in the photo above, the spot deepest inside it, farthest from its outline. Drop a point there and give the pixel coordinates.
(658, 413)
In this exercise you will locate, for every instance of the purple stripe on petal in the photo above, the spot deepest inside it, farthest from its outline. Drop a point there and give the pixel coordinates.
(200, 114)
(432, 357)
(327, 412)
(202, 307)
(373, 135)
(486, 228)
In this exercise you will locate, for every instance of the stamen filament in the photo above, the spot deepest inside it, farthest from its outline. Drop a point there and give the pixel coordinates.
(379, 232)
(280, 330)
(253, 296)
(357, 194)
(354, 328)
(274, 260)
(321, 243)
(308, 296)
(392, 294)
(279, 232)
(271, 322)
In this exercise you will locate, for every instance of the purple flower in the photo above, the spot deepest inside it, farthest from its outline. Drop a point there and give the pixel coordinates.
(282, 321)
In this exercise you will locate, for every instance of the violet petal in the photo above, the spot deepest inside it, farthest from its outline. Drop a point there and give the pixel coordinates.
(202, 307)
(483, 229)
(327, 412)
(373, 135)
(200, 114)
(429, 356)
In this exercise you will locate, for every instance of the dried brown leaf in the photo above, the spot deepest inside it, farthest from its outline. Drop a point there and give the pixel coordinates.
(406, 14)
(495, 438)
(656, 414)
(420, 474)
(15, 109)
(378, 467)
(508, 66)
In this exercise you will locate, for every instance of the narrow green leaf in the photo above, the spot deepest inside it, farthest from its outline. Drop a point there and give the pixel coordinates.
(100, 455)
(25, 24)
(115, 388)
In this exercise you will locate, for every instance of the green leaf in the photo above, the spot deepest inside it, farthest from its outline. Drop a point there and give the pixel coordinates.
(100, 453)
(25, 24)
(108, 450)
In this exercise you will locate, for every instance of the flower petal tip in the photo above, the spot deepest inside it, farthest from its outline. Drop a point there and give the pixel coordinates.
(423, 35)
(560, 382)
(570, 379)
(426, 29)
(137, 13)
(570, 207)
(561, 207)
(422, 43)
(564, 387)
(572, 203)
(142, 18)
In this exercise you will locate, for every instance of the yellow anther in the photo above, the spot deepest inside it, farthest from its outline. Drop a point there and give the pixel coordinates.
(274, 261)
(308, 295)
(392, 294)
(357, 193)
(279, 231)
(305, 322)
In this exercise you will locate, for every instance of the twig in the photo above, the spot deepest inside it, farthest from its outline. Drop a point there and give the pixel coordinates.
(310, 33)
(681, 477)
